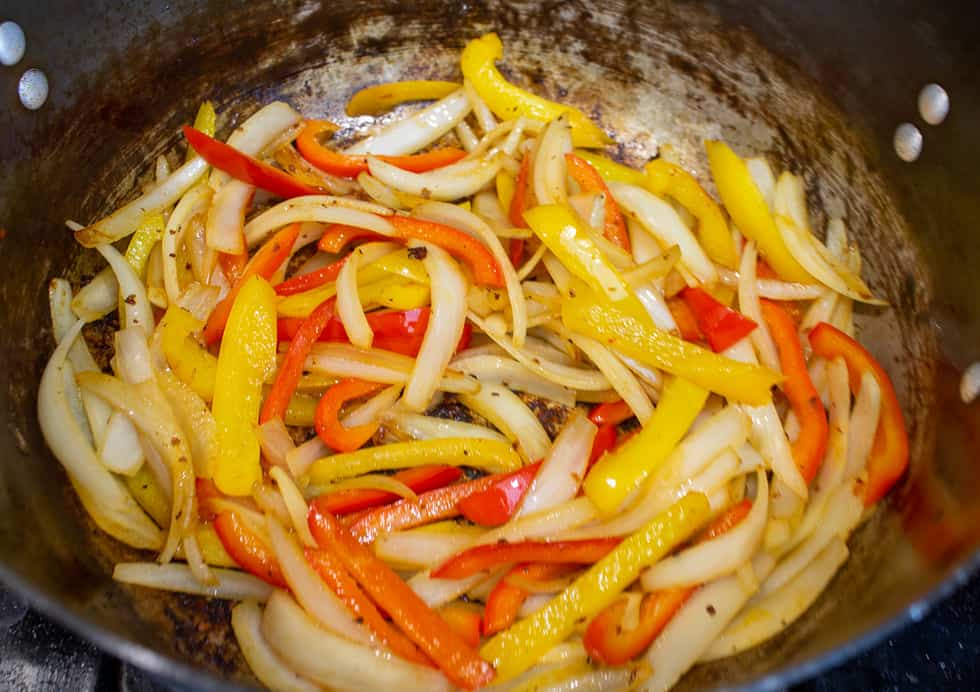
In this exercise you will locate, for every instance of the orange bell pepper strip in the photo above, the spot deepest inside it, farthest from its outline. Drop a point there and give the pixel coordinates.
(460, 245)
(465, 620)
(419, 479)
(607, 641)
(890, 450)
(723, 326)
(327, 420)
(519, 205)
(460, 662)
(811, 445)
(332, 571)
(505, 599)
(232, 265)
(265, 263)
(687, 323)
(611, 413)
(605, 440)
(247, 549)
(588, 178)
(337, 236)
(348, 166)
(291, 370)
(497, 504)
(483, 558)
(315, 278)
(244, 167)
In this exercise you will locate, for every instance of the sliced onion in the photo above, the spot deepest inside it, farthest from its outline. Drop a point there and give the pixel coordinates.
(103, 496)
(132, 361)
(125, 220)
(718, 557)
(372, 409)
(438, 592)
(467, 138)
(563, 468)
(748, 303)
(381, 193)
(195, 419)
(195, 561)
(300, 459)
(349, 307)
(226, 217)
(464, 220)
(154, 278)
(200, 300)
(246, 622)
(419, 131)
(864, 423)
(511, 374)
(202, 259)
(262, 129)
(295, 505)
(293, 163)
(120, 450)
(819, 311)
(98, 297)
(311, 591)
(138, 312)
(505, 410)
(418, 427)
(618, 374)
(484, 116)
(275, 441)
(423, 547)
(194, 203)
(662, 221)
(448, 286)
(649, 376)
(452, 182)
(231, 585)
(604, 679)
(486, 205)
(320, 208)
(763, 178)
(550, 170)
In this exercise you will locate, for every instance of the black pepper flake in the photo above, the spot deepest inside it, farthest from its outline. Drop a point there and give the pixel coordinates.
(711, 610)
(130, 299)
(494, 393)
(418, 253)
(172, 254)
(175, 440)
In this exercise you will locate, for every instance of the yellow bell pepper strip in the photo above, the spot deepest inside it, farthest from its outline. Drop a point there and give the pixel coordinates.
(141, 244)
(516, 649)
(749, 211)
(490, 455)
(505, 185)
(191, 362)
(246, 359)
(149, 495)
(377, 99)
(560, 229)
(508, 101)
(388, 291)
(621, 471)
(205, 121)
(612, 171)
(667, 179)
(632, 333)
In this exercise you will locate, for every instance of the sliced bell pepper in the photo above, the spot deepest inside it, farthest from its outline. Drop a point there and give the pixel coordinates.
(327, 422)
(619, 473)
(244, 167)
(483, 558)
(519, 203)
(497, 504)
(233, 265)
(205, 121)
(725, 522)
(890, 451)
(506, 185)
(191, 362)
(315, 278)
(246, 359)
(490, 455)
(588, 178)
(291, 370)
(505, 599)
(264, 264)
(332, 571)
(377, 99)
(665, 178)
(611, 413)
(811, 444)
(605, 440)
(610, 170)
(464, 619)
(460, 245)
(508, 101)
(337, 236)
(419, 479)
(632, 333)
(722, 326)
(561, 230)
(687, 323)
(140, 246)
(350, 166)
(518, 648)
(247, 549)
(460, 662)
(749, 211)
(375, 287)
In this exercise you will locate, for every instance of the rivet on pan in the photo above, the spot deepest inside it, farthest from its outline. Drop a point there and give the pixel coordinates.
(33, 89)
(933, 104)
(908, 142)
(12, 43)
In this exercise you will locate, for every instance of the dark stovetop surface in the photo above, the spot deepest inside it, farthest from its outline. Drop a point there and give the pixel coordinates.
(940, 652)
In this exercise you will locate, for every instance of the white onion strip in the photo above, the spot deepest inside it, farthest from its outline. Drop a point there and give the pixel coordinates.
(563, 468)
(295, 505)
(419, 427)
(484, 116)
(748, 303)
(259, 131)
(372, 409)
(864, 424)
(275, 441)
(449, 183)
(192, 204)
(246, 622)
(467, 138)
(120, 450)
(550, 170)
(226, 217)
(320, 208)
(511, 374)
(505, 411)
(618, 374)
(411, 134)
(132, 293)
(300, 459)
(231, 585)
(349, 307)
(98, 297)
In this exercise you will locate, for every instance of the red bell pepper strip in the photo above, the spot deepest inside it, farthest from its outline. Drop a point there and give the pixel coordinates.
(460, 245)
(336, 576)
(687, 323)
(247, 549)
(722, 325)
(460, 662)
(605, 439)
(607, 641)
(244, 167)
(337, 236)
(497, 504)
(327, 423)
(291, 370)
(348, 166)
(811, 445)
(505, 599)
(588, 178)
(311, 280)
(419, 479)
(519, 205)
(890, 451)
(265, 262)
(611, 413)
(483, 558)
(465, 620)
(232, 265)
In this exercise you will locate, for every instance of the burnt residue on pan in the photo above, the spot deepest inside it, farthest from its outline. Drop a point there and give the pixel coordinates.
(652, 74)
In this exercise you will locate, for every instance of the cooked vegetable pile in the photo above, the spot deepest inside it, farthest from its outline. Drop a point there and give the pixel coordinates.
(466, 403)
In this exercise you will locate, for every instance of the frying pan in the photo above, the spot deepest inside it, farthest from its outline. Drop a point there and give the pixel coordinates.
(818, 87)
